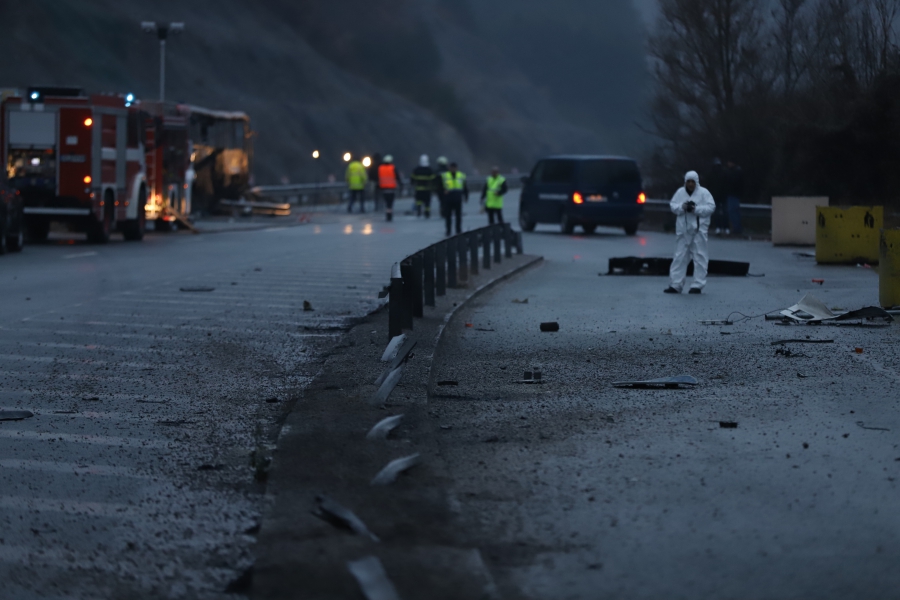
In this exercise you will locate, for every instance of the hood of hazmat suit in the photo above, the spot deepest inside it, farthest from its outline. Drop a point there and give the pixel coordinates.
(697, 221)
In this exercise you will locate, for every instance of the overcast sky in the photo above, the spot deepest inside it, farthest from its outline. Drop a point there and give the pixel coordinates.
(648, 9)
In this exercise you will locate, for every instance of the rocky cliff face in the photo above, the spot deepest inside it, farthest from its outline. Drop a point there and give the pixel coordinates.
(401, 76)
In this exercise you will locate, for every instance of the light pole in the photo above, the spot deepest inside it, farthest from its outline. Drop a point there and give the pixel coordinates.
(162, 32)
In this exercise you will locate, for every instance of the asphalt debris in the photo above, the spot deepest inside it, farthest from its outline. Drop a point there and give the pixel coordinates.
(15, 415)
(307, 306)
(864, 426)
(550, 326)
(447, 382)
(728, 424)
(661, 383)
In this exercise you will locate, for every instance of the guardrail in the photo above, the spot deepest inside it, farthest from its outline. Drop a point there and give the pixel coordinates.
(420, 278)
(665, 203)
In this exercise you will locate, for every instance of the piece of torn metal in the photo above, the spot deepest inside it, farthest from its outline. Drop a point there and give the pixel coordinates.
(384, 427)
(403, 354)
(661, 383)
(372, 579)
(864, 426)
(716, 322)
(517, 301)
(387, 386)
(15, 415)
(197, 289)
(338, 515)
(728, 424)
(447, 382)
(393, 346)
(307, 306)
(392, 470)
(636, 265)
(799, 341)
(812, 310)
(551, 326)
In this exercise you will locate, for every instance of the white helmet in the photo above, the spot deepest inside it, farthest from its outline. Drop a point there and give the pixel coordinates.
(442, 160)
(423, 160)
(388, 159)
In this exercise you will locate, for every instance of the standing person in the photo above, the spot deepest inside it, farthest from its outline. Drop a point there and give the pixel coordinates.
(373, 177)
(492, 195)
(455, 189)
(442, 167)
(423, 180)
(734, 189)
(388, 183)
(357, 178)
(692, 205)
(716, 187)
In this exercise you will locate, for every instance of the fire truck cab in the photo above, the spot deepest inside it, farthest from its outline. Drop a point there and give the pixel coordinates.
(76, 159)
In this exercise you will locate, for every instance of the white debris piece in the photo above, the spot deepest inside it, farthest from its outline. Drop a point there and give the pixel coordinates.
(391, 351)
(384, 427)
(389, 474)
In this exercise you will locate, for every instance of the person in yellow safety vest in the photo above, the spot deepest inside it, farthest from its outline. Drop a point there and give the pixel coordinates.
(455, 190)
(388, 183)
(356, 181)
(492, 195)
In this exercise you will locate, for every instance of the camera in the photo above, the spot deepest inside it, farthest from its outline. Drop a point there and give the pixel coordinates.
(691, 205)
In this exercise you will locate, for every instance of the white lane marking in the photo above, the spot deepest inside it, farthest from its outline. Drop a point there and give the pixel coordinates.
(80, 438)
(80, 255)
(70, 468)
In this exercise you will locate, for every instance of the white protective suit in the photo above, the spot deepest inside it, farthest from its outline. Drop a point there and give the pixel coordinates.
(692, 231)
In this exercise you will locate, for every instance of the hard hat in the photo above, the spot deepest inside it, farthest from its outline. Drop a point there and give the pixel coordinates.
(388, 159)
(423, 160)
(442, 160)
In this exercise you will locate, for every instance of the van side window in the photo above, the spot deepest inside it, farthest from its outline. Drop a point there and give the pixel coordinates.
(537, 173)
(558, 171)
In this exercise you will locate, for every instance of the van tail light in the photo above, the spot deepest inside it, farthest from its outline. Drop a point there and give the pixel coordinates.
(642, 198)
(577, 198)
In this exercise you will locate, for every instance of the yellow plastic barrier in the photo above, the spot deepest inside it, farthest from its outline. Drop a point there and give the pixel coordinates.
(889, 268)
(848, 234)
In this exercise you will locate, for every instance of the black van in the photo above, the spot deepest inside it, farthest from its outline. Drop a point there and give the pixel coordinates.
(583, 190)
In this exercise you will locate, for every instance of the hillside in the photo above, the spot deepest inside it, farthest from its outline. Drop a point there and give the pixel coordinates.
(398, 76)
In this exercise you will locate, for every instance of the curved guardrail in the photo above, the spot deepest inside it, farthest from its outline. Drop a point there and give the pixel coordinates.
(420, 278)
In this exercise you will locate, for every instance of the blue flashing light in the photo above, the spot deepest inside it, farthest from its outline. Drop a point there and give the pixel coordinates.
(35, 95)
(129, 98)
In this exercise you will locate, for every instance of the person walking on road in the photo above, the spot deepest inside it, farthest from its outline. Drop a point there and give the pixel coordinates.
(492, 195)
(357, 178)
(388, 183)
(455, 192)
(423, 180)
(693, 205)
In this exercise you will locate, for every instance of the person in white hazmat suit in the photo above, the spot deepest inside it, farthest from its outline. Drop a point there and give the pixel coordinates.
(693, 206)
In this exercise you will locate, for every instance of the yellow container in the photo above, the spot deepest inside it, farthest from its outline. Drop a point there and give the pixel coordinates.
(847, 235)
(889, 268)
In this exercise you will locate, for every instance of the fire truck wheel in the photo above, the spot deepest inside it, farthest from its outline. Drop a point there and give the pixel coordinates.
(99, 230)
(133, 229)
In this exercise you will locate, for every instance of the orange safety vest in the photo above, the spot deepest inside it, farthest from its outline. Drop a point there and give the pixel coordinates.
(387, 177)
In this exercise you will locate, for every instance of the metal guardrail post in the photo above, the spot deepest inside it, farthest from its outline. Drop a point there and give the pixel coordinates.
(486, 248)
(508, 239)
(518, 242)
(451, 263)
(440, 251)
(418, 308)
(395, 303)
(428, 266)
(496, 232)
(473, 252)
(462, 248)
(406, 271)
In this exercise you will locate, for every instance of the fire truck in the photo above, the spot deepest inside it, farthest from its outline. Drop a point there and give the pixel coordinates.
(77, 159)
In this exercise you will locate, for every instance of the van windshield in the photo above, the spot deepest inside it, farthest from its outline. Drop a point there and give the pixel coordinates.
(609, 173)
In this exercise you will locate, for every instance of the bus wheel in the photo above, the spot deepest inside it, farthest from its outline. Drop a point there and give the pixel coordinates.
(133, 229)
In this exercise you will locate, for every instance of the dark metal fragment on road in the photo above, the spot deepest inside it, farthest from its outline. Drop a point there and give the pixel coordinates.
(812, 310)
(483, 329)
(393, 469)
(209, 467)
(272, 400)
(799, 341)
(787, 353)
(864, 426)
(516, 301)
(174, 423)
(660, 383)
(372, 579)
(307, 306)
(91, 399)
(198, 289)
(551, 326)
(15, 415)
(728, 424)
(635, 265)
(447, 382)
(338, 515)
(384, 427)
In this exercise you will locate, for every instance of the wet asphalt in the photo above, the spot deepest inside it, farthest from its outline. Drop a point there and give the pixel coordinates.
(574, 489)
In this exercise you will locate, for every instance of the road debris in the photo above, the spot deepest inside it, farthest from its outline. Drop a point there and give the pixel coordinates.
(403, 354)
(819, 281)
(661, 383)
(210, 467)
(717, 322)
(338, 515)
(859, 350)
(307, 306)
(272, 400)
(15, 415)
(864, 426)
(812, 310)
(91, 399)
(550, 327)
(799, 341)
(532, 377)
(387, 386)
(197, 289)
(635, 265)
(517, 301)
(802, 375)
(483, 329)
(372, 579)
(393, 346)
(447, 382)
(390, 472)
(787, 353)
(384, 427)
(728, 424)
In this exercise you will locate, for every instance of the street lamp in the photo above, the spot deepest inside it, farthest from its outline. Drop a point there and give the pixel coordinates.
(162, 32)
(315, 154)
(367, 162)
(347, 157)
